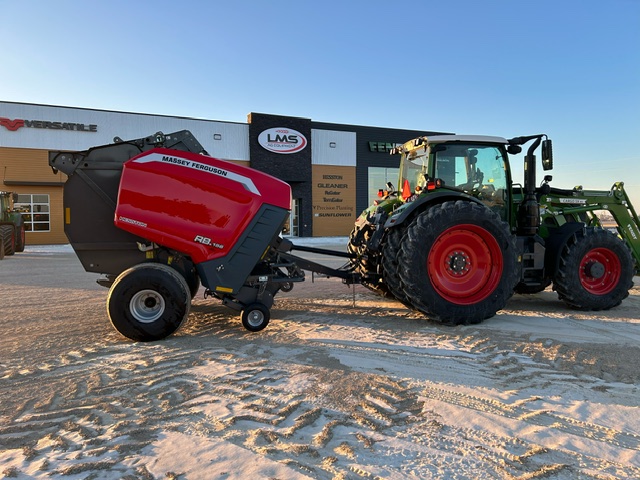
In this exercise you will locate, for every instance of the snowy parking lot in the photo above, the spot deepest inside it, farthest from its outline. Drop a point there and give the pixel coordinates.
(342, 384)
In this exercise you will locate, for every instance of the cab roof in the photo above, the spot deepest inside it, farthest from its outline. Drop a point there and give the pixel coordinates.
(435, 139)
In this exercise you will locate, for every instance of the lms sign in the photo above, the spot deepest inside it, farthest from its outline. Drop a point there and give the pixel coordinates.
(282, 140)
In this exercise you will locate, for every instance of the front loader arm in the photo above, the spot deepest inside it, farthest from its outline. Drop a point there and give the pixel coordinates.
(615, 201)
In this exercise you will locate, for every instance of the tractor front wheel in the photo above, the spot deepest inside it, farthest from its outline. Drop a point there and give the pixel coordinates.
(458, 263)
(595, 271)
(149, 301)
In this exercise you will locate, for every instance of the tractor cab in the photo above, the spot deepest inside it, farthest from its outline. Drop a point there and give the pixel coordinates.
(475, 165)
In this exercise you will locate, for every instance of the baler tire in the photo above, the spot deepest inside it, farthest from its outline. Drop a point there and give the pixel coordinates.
(148, 302)
(193, 282)
(8, 238)
(595, 271)
(390, 267)
(20, 238)
(255, 317)
(458, 263)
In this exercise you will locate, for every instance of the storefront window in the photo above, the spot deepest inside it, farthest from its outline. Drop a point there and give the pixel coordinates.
(35, 212)
(291, 225)
(378, 178)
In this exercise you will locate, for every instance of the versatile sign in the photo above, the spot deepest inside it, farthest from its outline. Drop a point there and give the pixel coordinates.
(13, 125)
(282, 140)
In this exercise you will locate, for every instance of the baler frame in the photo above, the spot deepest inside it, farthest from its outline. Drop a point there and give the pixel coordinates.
(147, 301)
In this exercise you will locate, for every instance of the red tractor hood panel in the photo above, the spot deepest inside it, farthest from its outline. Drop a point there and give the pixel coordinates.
(193, 203)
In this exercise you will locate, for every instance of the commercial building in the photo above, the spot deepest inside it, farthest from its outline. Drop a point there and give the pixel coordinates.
(334, 170)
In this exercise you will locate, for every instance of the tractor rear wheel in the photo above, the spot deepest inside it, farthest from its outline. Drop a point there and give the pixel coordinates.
(8, 234)
(149, 301)
(595, 271)
(390, 268)
(368, 263)
(458, 263)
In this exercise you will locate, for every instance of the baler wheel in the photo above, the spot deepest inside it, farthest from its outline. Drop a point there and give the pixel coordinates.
(255, 317)
(595, 271)
(458, 263)
(149, 301)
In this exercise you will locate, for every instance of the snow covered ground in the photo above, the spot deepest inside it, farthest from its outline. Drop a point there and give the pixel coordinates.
(341, 385)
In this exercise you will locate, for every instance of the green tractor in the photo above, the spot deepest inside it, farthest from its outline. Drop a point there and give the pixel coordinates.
(12, 229)
(456, 238)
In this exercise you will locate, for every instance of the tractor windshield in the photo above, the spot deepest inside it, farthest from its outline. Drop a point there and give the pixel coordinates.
(413, 171)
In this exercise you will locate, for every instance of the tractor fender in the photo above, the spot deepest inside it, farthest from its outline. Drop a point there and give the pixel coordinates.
(409, 209)
(557, 239)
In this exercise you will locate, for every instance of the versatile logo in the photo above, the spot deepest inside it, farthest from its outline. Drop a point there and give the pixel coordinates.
(282, 140)
(14, 125)
(11, 125)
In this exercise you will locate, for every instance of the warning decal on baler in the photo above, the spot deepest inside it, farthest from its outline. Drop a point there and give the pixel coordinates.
(246, 182)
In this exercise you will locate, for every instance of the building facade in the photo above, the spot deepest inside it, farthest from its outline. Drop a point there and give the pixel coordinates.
(334, 170)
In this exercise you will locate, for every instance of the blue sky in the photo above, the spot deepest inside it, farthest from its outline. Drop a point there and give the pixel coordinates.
(568, 68)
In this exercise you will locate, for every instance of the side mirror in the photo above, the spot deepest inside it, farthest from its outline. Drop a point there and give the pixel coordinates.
(514, 149)
(547, 155)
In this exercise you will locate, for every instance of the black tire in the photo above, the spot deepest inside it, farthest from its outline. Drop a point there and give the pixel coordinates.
(390, 266)
(1, 245)
(458, 263)
(20, 238)
(255, 317)
(149, 301)
(368, 263)
(193, 282)
(595, 271)
(8, 234)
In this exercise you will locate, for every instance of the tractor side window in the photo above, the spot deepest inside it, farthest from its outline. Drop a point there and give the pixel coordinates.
(491, 176)
(477, 170)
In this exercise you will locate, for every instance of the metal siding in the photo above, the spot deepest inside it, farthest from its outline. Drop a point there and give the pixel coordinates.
(233, 145)
(365, 158)
(344, 152)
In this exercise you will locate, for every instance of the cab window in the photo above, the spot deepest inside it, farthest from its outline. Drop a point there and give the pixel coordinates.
(475, 169)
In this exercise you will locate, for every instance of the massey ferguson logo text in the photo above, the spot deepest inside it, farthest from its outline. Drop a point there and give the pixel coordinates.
(282, 140)
(13, 125)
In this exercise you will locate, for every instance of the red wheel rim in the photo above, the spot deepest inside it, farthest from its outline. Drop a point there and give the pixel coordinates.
(600, 271)
(465, 264)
